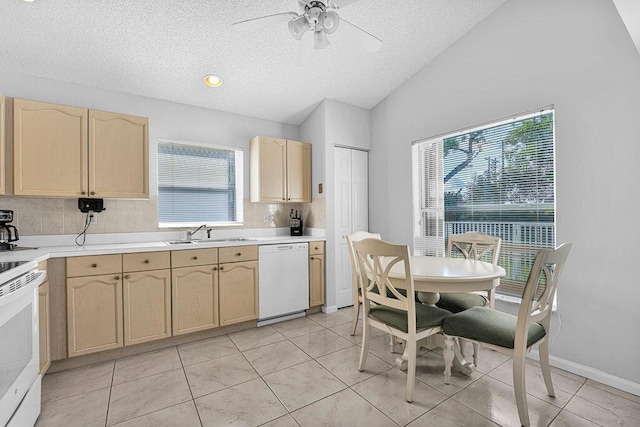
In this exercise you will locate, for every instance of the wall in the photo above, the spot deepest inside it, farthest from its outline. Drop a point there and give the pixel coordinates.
(36, 216)
(577, 55)
(333, 123)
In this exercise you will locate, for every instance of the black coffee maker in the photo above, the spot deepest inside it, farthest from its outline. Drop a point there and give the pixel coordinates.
(8, 232)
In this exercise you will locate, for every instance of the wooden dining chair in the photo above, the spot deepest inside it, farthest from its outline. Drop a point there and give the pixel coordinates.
(355, 273)
(472, 245)
(514, 335)
(478, 246)
(393, 311)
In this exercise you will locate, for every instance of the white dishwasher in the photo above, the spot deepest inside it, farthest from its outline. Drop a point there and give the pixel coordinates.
(283, 275)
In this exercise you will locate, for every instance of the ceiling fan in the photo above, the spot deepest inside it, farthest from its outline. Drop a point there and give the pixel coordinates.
(317, 17)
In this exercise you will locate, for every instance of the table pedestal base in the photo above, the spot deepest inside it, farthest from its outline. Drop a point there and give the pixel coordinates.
(459, 362)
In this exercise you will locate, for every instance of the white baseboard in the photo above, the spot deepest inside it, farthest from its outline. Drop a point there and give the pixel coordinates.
(591, 373)
(329, 308)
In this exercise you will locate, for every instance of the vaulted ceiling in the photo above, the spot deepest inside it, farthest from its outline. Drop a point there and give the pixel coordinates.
(162, 49)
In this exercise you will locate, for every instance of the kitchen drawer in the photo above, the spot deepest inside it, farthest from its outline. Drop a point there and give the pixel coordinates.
(193, 257)
(94, 265)
(316, 248)
(145, 261)
(238, 253)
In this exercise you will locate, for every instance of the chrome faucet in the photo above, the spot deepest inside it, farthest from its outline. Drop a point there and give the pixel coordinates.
(190, 233)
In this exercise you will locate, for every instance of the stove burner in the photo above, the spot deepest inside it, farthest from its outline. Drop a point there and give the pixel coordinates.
(8, 265)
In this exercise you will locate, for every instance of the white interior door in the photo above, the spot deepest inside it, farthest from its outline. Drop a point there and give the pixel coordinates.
(351, 213)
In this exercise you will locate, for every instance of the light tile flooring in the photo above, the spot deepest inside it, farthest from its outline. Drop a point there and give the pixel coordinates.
(304, 372)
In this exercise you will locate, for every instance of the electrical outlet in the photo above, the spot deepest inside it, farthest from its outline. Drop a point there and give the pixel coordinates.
(268, 218)
(93, 218)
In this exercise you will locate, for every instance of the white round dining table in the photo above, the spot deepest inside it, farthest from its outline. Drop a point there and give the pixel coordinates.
(434, 275)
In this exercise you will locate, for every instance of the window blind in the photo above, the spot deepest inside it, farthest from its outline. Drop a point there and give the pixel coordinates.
(497, 179)
(198, 185)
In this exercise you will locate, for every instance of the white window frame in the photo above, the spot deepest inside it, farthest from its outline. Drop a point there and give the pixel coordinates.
(239, 184)
(434, 244)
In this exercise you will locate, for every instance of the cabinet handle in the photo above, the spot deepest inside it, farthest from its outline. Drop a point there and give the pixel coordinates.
(117, 277)
(146, 261)
(311, 258)
(221, 268)
(239, 254)
(316, 248)
(94, 265)
(127, 277)
(194, 258)
(215, 268)
(93, 193)
(83, 193)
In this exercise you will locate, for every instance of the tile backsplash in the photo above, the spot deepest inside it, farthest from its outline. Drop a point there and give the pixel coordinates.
(46, 216)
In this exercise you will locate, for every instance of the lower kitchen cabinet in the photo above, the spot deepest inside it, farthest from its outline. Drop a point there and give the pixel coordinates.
(94, 313)
(316, 273)
(194, 298)
(238, 292)
(147, 306)
(43, 323)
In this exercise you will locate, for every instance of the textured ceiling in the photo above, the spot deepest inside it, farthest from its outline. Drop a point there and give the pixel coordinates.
(162, 49)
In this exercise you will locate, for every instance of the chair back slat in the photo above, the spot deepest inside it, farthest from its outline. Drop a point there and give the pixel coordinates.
(351, 239)
(375, 259)
(475, 245)
(548, 264)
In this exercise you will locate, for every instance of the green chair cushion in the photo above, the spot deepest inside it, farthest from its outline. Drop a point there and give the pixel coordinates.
(426, 316)
(489, 326)
(457, 302)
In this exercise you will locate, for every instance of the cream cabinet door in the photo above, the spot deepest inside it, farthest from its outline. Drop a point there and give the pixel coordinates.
(118, 155)
(268, 169)
(147, 306)
(50, 149)
(316, 280)
(194, 298)
(43, 323)
(238, 292)
(94, 313)
(298, 171)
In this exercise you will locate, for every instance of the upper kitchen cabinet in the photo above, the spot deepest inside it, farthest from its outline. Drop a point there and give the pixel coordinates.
(63, 151)
(118, 155)
(280, 170)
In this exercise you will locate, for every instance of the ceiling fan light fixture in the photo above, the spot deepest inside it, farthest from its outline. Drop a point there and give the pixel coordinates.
(298, 26)
(212, 80)
(330, 21)
(320, 40)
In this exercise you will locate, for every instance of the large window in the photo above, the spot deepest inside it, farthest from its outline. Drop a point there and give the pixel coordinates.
(199, 185)
(497, 179)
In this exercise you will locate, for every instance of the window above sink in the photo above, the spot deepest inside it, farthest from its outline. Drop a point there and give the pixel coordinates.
(199, 184)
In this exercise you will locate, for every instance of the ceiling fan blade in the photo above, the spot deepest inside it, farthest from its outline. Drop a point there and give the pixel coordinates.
(305, 50)
(264, 21)
(366, 40)
(337, 4)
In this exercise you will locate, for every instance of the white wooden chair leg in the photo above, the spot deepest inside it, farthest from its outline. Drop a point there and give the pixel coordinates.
(520, 389)
(476, 350)
(462, 344)
(364, 350)
(543, 351)
(448, 354)
(354, 321)
(411, 369)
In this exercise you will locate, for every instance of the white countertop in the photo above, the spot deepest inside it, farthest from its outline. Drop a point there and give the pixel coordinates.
(34, 256)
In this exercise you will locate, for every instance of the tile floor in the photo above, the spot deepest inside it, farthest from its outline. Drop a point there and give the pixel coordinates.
(304, 372)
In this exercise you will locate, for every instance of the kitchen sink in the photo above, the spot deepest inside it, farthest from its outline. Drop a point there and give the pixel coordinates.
(231, 239)
(181, 242)
(191, 241)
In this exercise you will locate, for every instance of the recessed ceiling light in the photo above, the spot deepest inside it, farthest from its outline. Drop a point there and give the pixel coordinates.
(212, 80)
